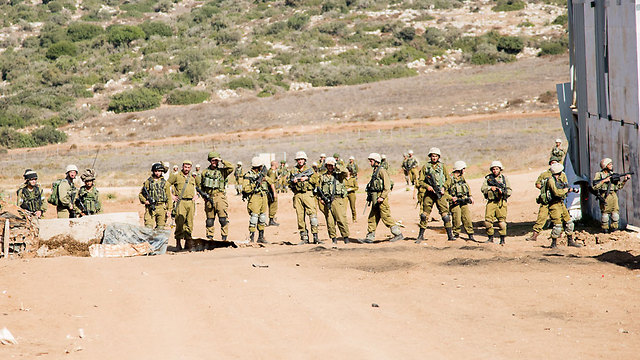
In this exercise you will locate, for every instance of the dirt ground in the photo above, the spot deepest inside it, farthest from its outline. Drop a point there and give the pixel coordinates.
(441, 300)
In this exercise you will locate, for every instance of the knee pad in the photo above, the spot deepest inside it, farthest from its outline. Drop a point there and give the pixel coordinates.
(313, 219)
(223, 221)
(262, 219)
(605, 218)
(615, 217)
(253, 220)
(209, 222)
(569, 227)
(423, 217)
(502, 225)
(556, 231)
(488, 224)
(446, 218)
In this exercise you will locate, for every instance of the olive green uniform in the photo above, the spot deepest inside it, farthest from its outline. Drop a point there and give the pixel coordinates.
(353, 168)
(256, 195)
(460, 213)
(352, 186)
(543, 210)
(213, 182)
(184, 206)
(440, 173)
(304, 202)
(31, 200)
(412, 167)
(496, 205)
(557, 153)
(283, 175)
(379, 187)
(90, 199)
(332, 185)
(385, 164)
(272, 174)
(160, 196)
(557, 209)
(237, 174)
(67, 193)
(609, 209)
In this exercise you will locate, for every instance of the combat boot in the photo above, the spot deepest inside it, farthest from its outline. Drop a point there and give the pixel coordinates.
(490, 238)
(367, 240)
(261, 239)
(450, 234)
(571, 242)
(397, 235)
(554, 243)
(471, 237)
(334, 241)
(178, 245)
(316, 240)
(502, 237)
(272, 222)
(533, 237)
(252, 236)
(420, 237)
(304, 238)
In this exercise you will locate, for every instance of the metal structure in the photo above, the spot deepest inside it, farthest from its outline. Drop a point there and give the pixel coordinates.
(600, 108)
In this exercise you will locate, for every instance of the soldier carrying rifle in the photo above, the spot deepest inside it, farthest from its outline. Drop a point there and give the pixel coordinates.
(156, 197)
(606, 184)
(460, 201)
(496, 189)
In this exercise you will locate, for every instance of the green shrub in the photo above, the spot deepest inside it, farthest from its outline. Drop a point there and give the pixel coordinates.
(483, 58)
(509, 5)
(276, 28)
(159, 28)
(123, 34)
(160, 84)
(406, 34)
(331, 75)
(404, 55)
(83, 31)
(241, 82)
(298, 21)
(54, 6)
(561, 20)
(134, 100)
(11, 139)
(227, 37)
(62, 48)
(552, 48)
(336, 28)
(48, 135)
(510, 44)
(187, 97)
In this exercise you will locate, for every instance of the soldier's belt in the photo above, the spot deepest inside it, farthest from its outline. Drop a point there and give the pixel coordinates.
(187, 199)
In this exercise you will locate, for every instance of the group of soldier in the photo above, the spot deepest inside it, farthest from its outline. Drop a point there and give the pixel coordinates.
(328, 186)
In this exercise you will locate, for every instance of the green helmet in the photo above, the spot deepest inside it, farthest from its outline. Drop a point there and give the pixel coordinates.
(213, 155)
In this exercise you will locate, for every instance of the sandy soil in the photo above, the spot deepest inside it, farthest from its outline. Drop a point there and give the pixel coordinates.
(438, 300)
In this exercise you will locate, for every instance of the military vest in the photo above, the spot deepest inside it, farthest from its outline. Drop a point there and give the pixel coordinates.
(376, 184)
(237, 172)
(212, 179)
(459, 187)
(353, 168)
(252, 176)
(495, 195)
(437, 171)
(331, 186)
(156, 190)
(90, 199)
(300, 186)
(30, 200)
(411, 163)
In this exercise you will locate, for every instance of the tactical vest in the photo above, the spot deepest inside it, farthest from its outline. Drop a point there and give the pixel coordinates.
(353, 168)
(459, 187)
(437, 171)
(300, 186)
(606, 186)
(545, 193)
(375, 184)
(90, 199)
(252, 176)
(156, 190)
(411, 163)
(30, 200)
(237, 173)
(331, 186)
(213, 180)
(495, 195)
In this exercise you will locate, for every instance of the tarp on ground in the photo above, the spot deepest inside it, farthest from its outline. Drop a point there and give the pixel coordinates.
(123, 233)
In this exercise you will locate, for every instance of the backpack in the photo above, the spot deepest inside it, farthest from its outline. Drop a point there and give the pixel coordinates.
(54, 198)
(545, 194)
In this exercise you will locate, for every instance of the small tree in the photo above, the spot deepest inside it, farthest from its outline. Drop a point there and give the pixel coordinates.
(123, 34)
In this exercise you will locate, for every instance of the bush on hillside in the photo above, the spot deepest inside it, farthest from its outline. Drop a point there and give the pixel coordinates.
(509, 5)
(123, 34)
(134, 100)
(510, 44)
(187, 97)
(159, 28)
(62, 48)
(83, 31)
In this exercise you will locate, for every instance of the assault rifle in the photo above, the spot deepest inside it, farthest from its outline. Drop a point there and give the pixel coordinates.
(152, 203)
(256, 185)
(491, 181)
(205, 196)
(327, 199)
(298, 176)
(431, 181)
(461, 201)
(562, 185)
(615, 178)
(80, 205)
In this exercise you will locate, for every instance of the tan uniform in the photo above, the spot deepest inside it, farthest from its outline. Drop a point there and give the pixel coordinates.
(379, 187)
(213, 182)
(441, 175)
(159, 197)
(557, 209)
(256, 195)
(609, 208)
(543, 210)
(304, 202)
(352, 186)
(333, 188)
(184, 206)
(413, 166)
(460, 213)
(272, 174)
(67, 193)
(496, 205)
(31, 200)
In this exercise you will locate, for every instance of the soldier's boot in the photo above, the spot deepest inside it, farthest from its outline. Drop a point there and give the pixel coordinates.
(272, 222)
(450, 234)
(304, 238)
(224, 237)
(471, 237)
(502, 237)
(316, 240)
(554, 243)
(456, 236)
(420, 237)
(261, 239)
(533, 237)
(397, 234)
(334, 240)
(367, 240)
(489, 238)
(571, 242)
(178, 245)
(252, 236)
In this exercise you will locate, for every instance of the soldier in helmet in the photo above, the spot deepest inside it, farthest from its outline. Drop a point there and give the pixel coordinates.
(332, 193)
(197, 171)
(558, 152)
(283, 176)
(412, 165)
(405, 167)
(557, 191)
(256, 187)
(156, 197)
(352, 166)
(543, 210)
(272, 173)
(213, 183)
(339, 161)
(378, 190)
(384, 163)
(88, 202)
(460, 200)
(607, 188)
(237, 174)
(351, 183)
(496, 189)
(66, 193)
(183, 187)
(320, 163)
(30, 196)
(302, 181)
(433, 182)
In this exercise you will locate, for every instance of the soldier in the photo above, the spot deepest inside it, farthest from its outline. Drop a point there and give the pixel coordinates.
(256, 187)
(320, 163)
(557, 191)
(88, 202)
(183, 186)
(315, 167)
(339, 161)
(197, 172)
(543, 210)
(273, 198)
(405, 168)
(351, 183)
(378, 190)
(433, 182)
(66, 194)
(557, 151)
(212, 184)
(237, 174)
(283, 175)
(156, 197)
(412, 167)
(302, 181)
(30, 196)
(607, 187)
(165, 166)
(175, 169)
(496, 189)
(460, 201)
(384, 163)
(352, 166)
(332, 193)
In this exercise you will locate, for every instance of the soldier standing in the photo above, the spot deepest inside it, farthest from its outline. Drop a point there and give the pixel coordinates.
(302, 181)
(30, 196)
(433, 181)
(256, 186)
(412, 167)
(156, 196)
(543, 210)
(332, 193)
(557, 151)
(213, 183)
(607, 188)
(237, 174)
(88, 202)
(405, 167)
(197, 171)
(460, 201)
(557, 191)
(378, 190)
(66, 194)
(351, 183)
(352, 166)
(321, 161)
(273, 198)
(384, 163)
(283, 175)
(496, 189)
(183, 186)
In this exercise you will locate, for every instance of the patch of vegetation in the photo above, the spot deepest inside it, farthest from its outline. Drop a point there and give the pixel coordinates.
(509, 5)
(60, 49)
(123, 34)
(83, 31)
(45, 135)
(187, 97)
(134, 100)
